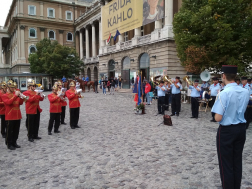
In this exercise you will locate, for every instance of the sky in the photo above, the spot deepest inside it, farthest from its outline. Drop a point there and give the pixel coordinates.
(4, 10)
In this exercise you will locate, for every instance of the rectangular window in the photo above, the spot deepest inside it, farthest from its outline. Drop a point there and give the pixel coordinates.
(51, 13)
(126, 35)
(31, 10)
(69, 15)
(142, 31)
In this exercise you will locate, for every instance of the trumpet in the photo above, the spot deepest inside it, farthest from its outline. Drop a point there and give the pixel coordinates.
(40, 90)
(22, 96)
(186, 79)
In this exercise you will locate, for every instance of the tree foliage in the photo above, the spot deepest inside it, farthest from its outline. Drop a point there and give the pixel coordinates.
(212, 33)
(55, 59)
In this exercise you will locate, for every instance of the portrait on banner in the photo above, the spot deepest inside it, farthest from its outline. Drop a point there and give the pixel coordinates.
(153, 10)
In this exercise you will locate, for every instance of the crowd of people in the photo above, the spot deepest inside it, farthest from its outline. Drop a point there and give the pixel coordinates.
(110, 84)
(11, 98)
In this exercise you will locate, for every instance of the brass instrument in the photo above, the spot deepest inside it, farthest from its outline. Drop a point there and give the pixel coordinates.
(186, 79)
(79, 91)
(169, 80)
(22, 96)
(40, 90)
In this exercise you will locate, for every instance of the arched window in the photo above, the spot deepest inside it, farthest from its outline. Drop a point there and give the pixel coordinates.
(51, 34)
(32, 33)
(32, 49)
(69, 36)
(144, 61)
(126, 63)
(111, 65)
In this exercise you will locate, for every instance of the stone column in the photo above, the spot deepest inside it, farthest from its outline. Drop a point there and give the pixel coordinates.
(1, 56)
(60, 12)
(94, 54)
(61, 32)
(77, 44)
(102, 42)
(158, 24)
(87, 42)
(21, 7)
(42, 33)
(22, 27)
(137, 34)
(167, 31)
(41, 4)
(81, 45)
(121, 37)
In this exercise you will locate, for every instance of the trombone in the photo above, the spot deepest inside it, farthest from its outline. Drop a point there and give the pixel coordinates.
(186, 79)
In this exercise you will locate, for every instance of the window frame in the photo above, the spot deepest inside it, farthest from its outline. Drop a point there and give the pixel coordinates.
(30, 33)
(71, 15)
(48, 10)
(67, 37)
(54, 35)
(126, 36)
(29, 12)
(31, 47)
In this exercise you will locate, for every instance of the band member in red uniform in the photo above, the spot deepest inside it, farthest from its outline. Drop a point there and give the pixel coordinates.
(32, 110)
(63, 104)
(12, 102)
(74, 105)
(2, 109)
(16, 87)
(55, 110)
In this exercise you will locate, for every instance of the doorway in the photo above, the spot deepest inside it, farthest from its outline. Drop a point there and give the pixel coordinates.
(144, 65)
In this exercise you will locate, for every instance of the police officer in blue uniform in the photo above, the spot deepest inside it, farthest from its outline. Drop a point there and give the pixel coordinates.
(161, 89)
(248, 112)
(205, 85)
(238, 82)
(175, 90)
(229, 109)
(213, 91)
(195, 94)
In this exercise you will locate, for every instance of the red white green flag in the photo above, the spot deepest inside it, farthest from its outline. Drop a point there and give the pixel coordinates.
(109, 39)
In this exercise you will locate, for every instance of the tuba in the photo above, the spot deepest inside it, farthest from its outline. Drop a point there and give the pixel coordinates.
(186, 79)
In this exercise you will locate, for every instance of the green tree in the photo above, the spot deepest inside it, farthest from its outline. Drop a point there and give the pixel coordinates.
(55, 59)
(211, 33)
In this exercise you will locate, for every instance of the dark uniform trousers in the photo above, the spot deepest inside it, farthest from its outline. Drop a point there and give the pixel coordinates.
(161, 102)
(230, 142)
(13, 127)
(54, 119)
(74, 116)
(62, 114)
(211, 104)
(3, 125)
(167, 96)
(176, 103)
(195, 107)
(32, 124)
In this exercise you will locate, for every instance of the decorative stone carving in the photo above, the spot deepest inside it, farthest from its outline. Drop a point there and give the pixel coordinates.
(22, 27)
(61, 31)
(42, 29)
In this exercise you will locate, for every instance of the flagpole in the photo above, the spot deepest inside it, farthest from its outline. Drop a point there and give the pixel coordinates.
(142, 86)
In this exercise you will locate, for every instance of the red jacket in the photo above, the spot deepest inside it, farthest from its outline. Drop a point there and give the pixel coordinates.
(64, 103)
(147, 88)
(2, 107)
(55, 103)
(32, 104)
(73, 99)
(12, 106)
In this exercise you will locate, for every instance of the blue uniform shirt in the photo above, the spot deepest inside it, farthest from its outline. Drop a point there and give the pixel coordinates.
(247, 86)
(174, 89)
(87, 78)
(160, 92)
(205, 85)
(194, 92)
(64, 79)
(214, 89)
(231, 103)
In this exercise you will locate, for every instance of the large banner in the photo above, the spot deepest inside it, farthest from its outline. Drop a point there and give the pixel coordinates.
(125, 15)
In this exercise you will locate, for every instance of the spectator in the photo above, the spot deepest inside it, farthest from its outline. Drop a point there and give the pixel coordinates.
(108, 85)
(120, 82)
(147, 90)
(116, 83)
(112, 87)
(104, 87)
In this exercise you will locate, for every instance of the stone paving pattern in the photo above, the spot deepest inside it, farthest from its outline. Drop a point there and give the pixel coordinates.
(114, 148)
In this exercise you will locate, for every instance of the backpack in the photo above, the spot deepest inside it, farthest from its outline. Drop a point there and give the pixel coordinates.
(167, 120)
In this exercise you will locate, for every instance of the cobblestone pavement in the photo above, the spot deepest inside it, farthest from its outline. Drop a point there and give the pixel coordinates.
(114, 148)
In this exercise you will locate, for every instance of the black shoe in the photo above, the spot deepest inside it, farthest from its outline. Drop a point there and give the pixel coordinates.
(172, 115)
(177, 114)
(49, 133)
(63, 123)
(72, 127)
(159, 112)
(37, 138)
(31, 139)
(4, 135)
(192, 117)
(213, 120)
(11, 148)
(196, 117)
(56, 131)
(17, 146)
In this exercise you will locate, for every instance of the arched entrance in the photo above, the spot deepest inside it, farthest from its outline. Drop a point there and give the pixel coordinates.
(144, 65)
(111, 66)
(95, 73)
(89, 73)
(126, 73)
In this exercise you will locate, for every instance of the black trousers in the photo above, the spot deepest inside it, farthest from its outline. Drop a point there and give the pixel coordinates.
(195, 107)
(54, 119)
(166, 101)
(248, 116)
(74, 116)
(161, 102)
(13, 127)
(176, 103)
(211, 103)
(230, 142)
(32, 124)
(3, 125)
(63, 114)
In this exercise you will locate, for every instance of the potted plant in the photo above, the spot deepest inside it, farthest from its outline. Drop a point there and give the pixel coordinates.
(140, 107)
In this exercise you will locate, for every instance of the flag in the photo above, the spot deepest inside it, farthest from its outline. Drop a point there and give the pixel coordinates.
(139, 90)
(117, 33)
(109, 39)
